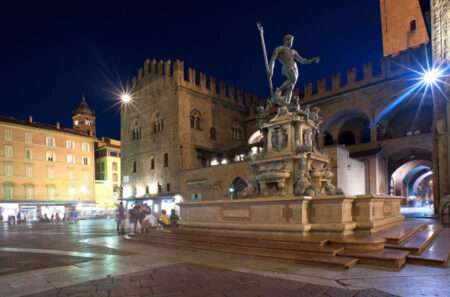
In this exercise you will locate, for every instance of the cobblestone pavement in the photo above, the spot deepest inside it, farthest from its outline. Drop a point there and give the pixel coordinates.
(88, 258)
(13, 262)
(191, 280)
(67, 236)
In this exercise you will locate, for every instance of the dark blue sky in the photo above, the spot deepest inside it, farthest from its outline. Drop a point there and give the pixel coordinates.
(52, 53)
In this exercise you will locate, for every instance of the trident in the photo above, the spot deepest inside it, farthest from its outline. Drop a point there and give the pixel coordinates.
(261, 33)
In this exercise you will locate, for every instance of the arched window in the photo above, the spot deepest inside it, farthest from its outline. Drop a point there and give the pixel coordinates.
(166, 160)
(236, 131)
(136, 131)
(152, 163)
(212, 134)
(195, 120)
(157, 123)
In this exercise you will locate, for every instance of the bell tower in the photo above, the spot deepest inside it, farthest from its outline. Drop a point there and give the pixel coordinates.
(403, 24)
(84, 118)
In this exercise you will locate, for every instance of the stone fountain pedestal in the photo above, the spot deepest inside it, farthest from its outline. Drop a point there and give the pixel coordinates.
(290, 192)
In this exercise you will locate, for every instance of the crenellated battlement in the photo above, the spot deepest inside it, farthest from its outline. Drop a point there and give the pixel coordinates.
(200, 83)
(390, 67)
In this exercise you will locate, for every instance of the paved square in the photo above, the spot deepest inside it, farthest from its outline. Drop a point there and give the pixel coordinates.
(190, 280)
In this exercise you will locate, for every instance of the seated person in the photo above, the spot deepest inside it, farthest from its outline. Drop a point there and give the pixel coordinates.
(149, 222)
(164, 218)
(174, 218)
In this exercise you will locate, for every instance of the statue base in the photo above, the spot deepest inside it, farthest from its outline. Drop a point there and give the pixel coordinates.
(292, 215)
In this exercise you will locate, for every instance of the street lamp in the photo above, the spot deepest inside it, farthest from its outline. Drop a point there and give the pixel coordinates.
(125, 97)
(431, 76)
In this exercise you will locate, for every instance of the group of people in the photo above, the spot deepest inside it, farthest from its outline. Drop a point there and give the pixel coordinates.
(18, 219)
(143, 215)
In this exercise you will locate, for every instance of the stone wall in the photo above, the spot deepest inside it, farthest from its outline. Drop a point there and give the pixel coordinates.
(396, 18)
(154, 95)
(212, 182)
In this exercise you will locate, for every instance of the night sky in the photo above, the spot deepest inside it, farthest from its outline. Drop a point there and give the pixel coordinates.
(52, 53)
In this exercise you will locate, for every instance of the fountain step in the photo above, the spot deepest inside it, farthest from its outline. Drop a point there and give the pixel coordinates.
(359, 242)
(437, 253)
(385, 258)
(401, 232)
(297, 238)
(300, 257)
(250, 242)
(419, 241)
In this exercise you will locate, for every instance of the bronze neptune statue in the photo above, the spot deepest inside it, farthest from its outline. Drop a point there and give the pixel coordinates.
(287, 57)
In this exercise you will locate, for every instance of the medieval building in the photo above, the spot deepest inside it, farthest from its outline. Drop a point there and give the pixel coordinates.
(191, 137)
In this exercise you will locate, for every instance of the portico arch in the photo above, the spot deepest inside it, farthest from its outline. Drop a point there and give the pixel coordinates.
(238, 184)
(348, 126)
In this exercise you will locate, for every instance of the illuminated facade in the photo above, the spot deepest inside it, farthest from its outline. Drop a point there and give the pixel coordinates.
(44, 169)
(107, 173)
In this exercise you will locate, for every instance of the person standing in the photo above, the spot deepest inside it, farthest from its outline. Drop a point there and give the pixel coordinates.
(174, 218)
(121, 219)
(134, 212)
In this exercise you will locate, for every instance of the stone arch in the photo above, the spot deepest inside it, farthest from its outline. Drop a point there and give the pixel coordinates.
(404, 168)
(405, 155)
(403, 105)
(407, 121)
(256, 137)
(237, 184)
(347, 126)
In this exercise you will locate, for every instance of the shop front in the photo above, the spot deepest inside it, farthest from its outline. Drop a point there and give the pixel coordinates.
(8, 209)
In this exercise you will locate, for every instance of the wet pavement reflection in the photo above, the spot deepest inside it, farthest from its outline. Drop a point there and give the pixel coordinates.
(89, 258)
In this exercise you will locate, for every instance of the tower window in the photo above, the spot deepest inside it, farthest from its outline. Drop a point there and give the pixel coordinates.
(134, 167)
(213, 134)
(168, 187)
(412, 25)
(236, 133)
(195, 120)
(158, 126)
(136, 133)
(166, 160)
(152, 163)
